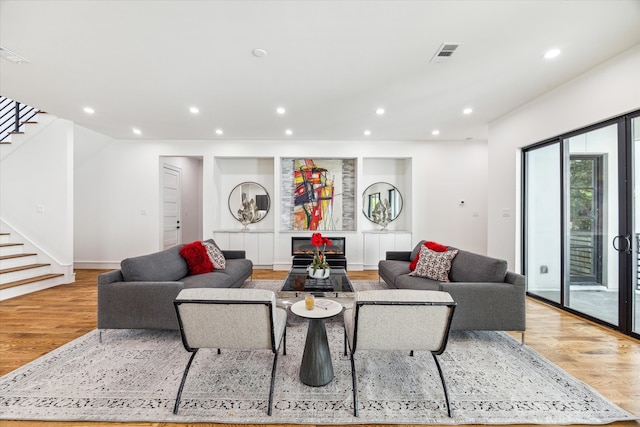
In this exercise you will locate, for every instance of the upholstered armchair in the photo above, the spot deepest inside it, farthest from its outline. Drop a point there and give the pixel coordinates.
(398, 319)
(230, 319)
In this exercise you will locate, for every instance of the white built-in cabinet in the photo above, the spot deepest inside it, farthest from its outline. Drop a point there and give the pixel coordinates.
(377, 243)
(268, 246)
(258, 245)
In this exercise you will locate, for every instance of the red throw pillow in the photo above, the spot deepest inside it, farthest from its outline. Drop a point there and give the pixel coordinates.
(436, 247)
(197, 258)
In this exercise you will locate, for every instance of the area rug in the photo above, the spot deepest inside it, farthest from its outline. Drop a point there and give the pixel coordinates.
(133, 375)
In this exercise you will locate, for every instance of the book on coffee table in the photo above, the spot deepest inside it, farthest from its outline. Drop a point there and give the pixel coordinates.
(325, 304)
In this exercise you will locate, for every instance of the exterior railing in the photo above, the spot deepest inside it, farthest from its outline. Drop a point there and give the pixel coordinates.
(12, 116)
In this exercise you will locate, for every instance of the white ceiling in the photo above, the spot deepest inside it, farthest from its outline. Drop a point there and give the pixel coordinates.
(329, 63)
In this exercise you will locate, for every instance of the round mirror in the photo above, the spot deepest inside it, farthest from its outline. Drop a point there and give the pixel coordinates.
(249, 203)
(381, 203)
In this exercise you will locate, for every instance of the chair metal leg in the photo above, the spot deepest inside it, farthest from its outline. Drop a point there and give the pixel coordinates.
(345, 341)
(444, 385)
(355, 386)
(284, 342)
(273, 381)
(184, 378)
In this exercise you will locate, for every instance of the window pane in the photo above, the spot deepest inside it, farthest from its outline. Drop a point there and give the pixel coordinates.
(591, 262)
(543, 237)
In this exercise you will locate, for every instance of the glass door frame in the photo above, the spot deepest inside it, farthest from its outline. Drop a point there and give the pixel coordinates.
(626, 289)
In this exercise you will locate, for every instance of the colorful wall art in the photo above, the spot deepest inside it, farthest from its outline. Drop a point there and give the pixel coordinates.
(318, 194)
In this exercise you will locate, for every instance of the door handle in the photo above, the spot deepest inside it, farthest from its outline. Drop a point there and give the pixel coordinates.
(177, 227)
(627, 240)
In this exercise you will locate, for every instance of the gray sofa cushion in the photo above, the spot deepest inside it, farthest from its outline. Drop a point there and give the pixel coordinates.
(414, 282)
(238, 269)
(215, 279)
(470, 267)
(167, 265)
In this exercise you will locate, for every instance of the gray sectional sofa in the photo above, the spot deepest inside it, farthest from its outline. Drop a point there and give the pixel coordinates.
(489, 297)
(140, 295)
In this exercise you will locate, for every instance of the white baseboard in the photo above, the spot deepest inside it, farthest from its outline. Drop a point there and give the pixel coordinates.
(96, 265)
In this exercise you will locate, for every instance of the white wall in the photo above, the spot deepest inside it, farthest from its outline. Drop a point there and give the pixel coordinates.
(117, 179)
(36, 190)
(608, 90)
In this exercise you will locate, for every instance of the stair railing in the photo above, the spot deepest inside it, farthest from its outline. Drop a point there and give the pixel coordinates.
(13, 115)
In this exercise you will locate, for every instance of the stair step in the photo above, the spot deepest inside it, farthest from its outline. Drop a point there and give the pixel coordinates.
(31, 280)
(16, 133)
(23, 272)
(10, 248)
(3, 257)
(22, 267)
(17, 260)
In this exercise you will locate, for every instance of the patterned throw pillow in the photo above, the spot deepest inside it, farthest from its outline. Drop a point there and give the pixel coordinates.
(431, 245)
(215, 255)
(434, 265)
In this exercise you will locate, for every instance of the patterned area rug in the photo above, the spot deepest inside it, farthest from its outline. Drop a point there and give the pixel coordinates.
(133, 375)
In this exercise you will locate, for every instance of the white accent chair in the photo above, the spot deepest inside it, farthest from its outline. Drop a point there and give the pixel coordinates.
(398, 319)
(230, 319)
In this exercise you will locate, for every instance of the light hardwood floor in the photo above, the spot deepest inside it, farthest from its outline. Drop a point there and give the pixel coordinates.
(34, 324)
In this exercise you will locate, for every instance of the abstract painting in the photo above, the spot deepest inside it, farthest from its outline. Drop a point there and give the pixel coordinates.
(318, 194)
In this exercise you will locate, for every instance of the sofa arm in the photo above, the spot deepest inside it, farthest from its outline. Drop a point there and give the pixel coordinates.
(133, 305)
(398, 255)
(515, 279)
(234, 254)
(110, 277)
(487, 306)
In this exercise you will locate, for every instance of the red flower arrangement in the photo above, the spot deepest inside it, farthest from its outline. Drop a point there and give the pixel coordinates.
(319, 259)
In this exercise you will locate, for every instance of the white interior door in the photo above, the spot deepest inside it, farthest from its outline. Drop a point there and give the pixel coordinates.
(171, 209)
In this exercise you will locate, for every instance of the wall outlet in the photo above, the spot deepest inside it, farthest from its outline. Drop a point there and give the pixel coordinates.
(544, 269)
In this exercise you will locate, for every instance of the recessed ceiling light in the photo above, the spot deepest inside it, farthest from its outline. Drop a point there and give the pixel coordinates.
(89, 110)
(219, 132)
(280, 110)
(367, 132)
(137, 131)
(288, 132)
(260, 53)
(552, 53)
(435, 132)
(194, 110)
(380, 111)
(467, 110)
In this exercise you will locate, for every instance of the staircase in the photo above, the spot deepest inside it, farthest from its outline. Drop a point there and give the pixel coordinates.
(19, 268)
(13, 117)
(25, 265)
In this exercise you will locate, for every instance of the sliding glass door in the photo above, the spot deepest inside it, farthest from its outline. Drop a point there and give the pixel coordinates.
(635, 227)
(591, 223)
(582, 222)
(543, 220)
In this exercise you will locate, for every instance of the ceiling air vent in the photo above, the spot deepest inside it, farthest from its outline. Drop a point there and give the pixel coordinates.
(444, 53)
(11, 56)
